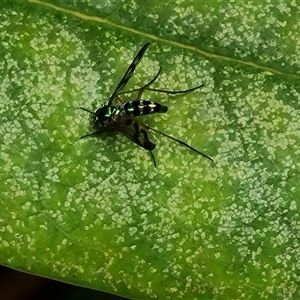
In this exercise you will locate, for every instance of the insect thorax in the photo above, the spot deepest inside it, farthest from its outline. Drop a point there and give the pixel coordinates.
(107, 113)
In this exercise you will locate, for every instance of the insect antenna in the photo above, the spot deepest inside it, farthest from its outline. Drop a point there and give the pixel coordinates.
(88, 110)
(180, 142)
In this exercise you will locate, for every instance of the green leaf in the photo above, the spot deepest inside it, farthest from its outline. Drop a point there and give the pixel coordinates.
(96, 212)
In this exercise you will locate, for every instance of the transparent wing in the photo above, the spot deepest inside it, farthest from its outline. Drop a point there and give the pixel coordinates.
(135, 130)
(128, 73)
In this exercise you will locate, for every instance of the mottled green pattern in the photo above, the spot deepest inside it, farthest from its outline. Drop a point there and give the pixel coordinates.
(96, 212)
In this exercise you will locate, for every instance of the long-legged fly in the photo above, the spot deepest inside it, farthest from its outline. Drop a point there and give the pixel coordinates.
(122, 117)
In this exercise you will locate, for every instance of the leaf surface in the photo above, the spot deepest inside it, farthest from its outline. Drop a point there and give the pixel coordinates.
(96, 212)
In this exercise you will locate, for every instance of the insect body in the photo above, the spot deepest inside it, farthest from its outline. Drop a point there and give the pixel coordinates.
(143, 107)
(122, 118)
(132, 108)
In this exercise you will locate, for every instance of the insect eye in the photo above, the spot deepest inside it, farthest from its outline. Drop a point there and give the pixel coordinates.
(103, 113)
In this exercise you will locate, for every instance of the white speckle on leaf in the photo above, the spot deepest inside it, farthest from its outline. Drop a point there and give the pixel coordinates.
(293, 205)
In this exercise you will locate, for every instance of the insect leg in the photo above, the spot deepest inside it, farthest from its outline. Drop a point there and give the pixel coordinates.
(180, 142)
(141, 89)
(152, 155)
(146, 87)
(95, 133)
(153, 79)
(175, 92)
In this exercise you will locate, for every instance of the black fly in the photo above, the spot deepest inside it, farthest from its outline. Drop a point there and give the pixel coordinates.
(122, 118)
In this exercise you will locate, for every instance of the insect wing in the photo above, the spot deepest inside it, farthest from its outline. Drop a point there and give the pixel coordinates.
(128, 73)
(135, 130)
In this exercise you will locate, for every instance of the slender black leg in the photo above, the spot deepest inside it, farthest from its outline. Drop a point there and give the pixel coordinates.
(153, 79)
(94, 133)
(181, 142)
(147, 87)
(153, 158)
(175, 92)
(88, 135)
(142, 89)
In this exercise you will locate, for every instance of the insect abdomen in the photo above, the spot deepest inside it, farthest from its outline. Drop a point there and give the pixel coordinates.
(143, 107)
